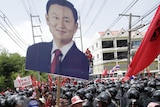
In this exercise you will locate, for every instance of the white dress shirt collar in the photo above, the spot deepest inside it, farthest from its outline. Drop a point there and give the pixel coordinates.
(63, 49)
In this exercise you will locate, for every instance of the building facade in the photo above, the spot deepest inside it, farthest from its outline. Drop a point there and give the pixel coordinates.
(110, 48)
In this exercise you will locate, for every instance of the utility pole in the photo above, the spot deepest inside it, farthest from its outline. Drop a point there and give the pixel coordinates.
(129, 34)
(80, 33)
(80, 29)
(33, 33)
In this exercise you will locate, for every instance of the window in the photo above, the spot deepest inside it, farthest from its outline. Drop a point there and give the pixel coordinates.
(107, 44)
(115, 74)
(124, 73)
(108, 56)
(122, 32)
(135, 44)
(122, 43)
(122, 55)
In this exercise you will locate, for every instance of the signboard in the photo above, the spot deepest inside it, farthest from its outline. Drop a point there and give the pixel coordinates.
(26, 81)
(53, 57)
(23, 82)
(17, 83)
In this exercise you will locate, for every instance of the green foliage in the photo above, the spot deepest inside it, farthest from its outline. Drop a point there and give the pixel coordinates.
(12, 65)
(9, 64)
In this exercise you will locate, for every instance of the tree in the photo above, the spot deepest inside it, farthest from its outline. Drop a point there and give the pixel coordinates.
(9, 64)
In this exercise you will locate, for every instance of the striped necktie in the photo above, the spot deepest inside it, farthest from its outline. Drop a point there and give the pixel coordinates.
(56, 60)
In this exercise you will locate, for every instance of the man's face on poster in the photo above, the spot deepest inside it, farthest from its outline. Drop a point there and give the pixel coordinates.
(61, 23)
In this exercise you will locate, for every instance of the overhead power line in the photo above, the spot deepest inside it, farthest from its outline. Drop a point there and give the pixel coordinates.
(84, 2)
(31, 9)
(90, 8)
(146, 14)
(123, 12)
(99, 11)
(11, 36)
(116, 20)
(12, 28)
(25, 7)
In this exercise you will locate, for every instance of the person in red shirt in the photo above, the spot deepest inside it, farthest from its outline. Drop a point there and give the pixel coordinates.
(50, 102)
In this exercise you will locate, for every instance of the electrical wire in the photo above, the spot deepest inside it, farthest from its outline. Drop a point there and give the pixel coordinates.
(90, 8)
(143, 17)
(37, 21)
(11, 36)
(146, 14)
(123, 12)
(12, 28)
(25, 7)
(99, 11)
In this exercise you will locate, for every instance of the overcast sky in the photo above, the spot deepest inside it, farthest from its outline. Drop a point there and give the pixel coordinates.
(95, 16)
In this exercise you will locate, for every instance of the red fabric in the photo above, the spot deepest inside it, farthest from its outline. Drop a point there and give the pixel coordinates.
(34, 81)
(49, 104)
(105, 72)
(64, 79)
(56, 60)
(50, 79)
(38, 83)
(75, 82)
(88, 54)
(149, 48)
(87, 51)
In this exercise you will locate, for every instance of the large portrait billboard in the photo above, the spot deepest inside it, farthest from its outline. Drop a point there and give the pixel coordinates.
(60, 56)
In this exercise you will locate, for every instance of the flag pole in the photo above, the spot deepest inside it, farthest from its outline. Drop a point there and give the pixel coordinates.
(58, 91)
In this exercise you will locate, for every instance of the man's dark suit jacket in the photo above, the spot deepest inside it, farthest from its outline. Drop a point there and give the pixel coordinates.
(75, 63)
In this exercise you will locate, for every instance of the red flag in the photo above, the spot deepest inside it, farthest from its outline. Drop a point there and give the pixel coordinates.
(34, 83)
(50, 79)
(105, 72)
(149, 48)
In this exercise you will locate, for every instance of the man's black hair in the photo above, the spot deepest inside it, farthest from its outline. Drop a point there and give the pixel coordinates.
(63, 3)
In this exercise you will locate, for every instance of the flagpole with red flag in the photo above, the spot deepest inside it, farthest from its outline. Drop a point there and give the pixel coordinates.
(105, 72)
(50, 81)
(149, 48)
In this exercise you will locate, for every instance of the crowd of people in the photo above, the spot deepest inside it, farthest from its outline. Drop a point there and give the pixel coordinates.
(138, 92)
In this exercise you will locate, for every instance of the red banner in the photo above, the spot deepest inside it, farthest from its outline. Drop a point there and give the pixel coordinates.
(105, 72)
(149, 48)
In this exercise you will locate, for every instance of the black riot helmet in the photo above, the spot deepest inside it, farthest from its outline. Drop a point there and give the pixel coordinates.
(100, 89)
(69, 95)
(89, 96)
(140, 87)
(149, 91)
(113, 92)
(2, 102)
(81, 93)
(88, 104)
(104, 97)
(152, 84)
(126, 87)
(156, 95)
(133, 94)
